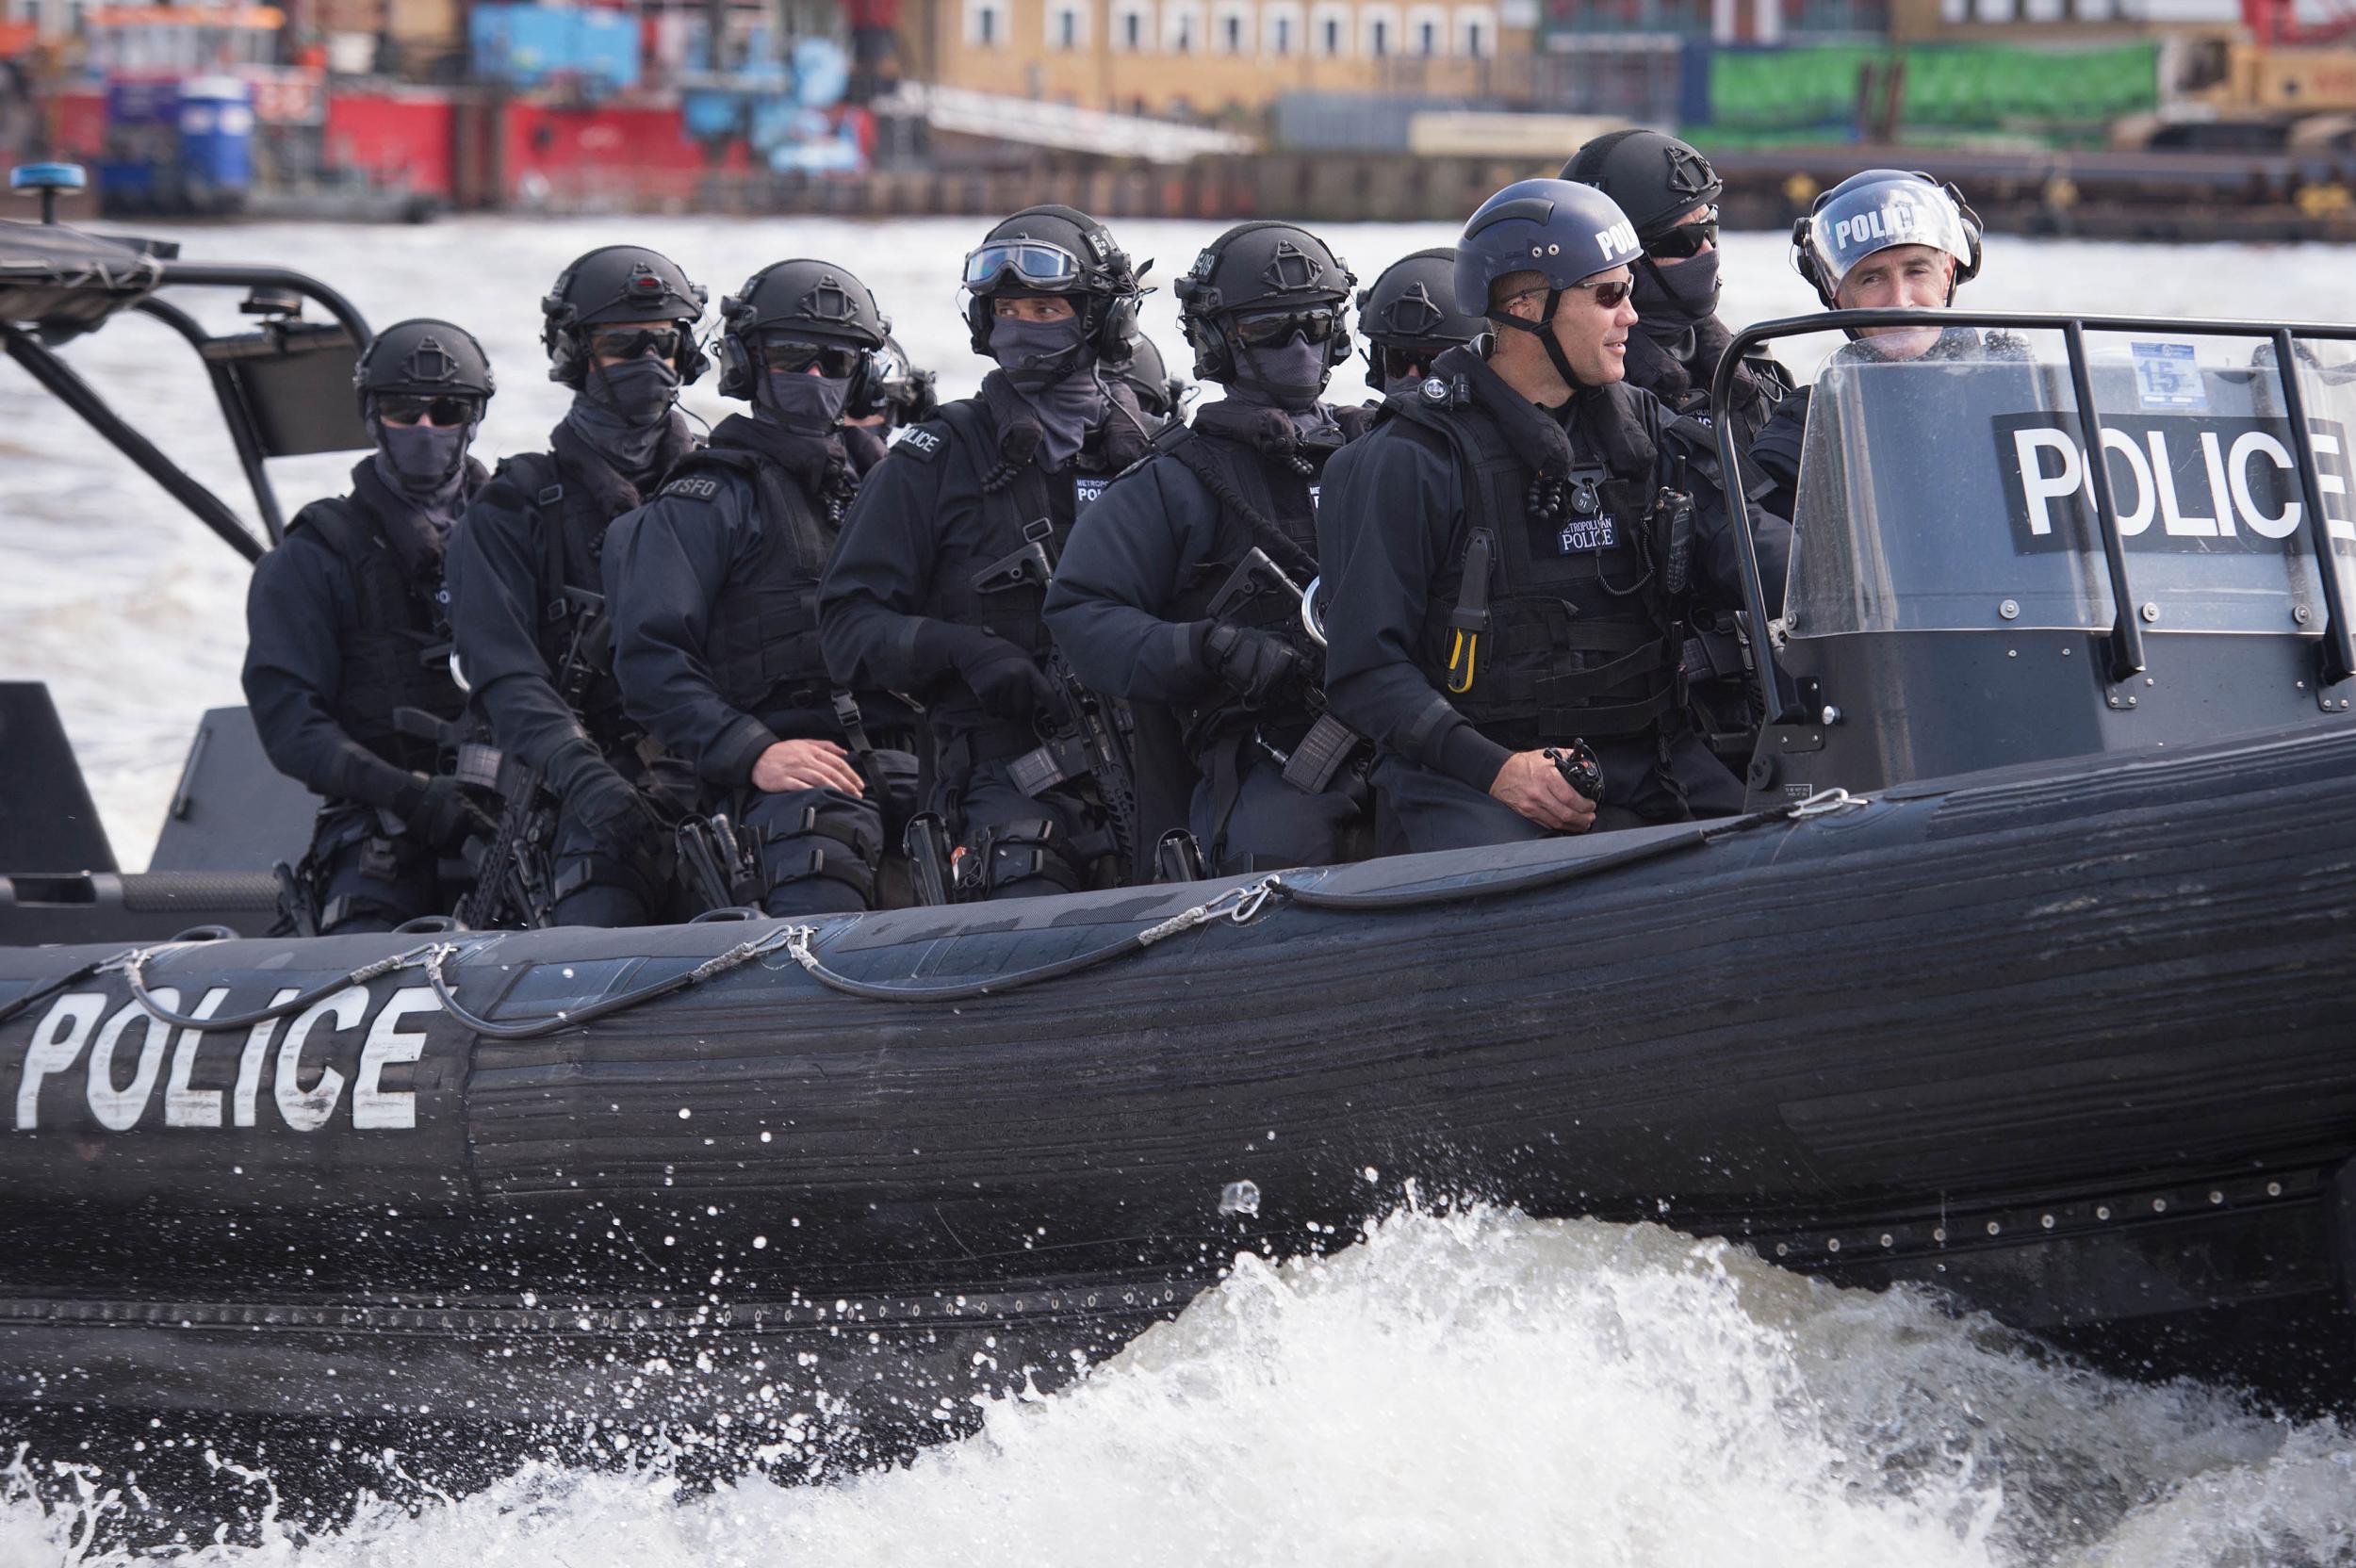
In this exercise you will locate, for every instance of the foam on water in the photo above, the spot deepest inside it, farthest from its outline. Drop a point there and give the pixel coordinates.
(1471, 1388)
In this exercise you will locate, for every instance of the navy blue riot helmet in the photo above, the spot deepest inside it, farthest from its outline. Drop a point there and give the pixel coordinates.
(1877, 210)
(1564, 232)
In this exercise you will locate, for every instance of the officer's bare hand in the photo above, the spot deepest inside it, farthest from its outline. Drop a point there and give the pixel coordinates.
(1533, 786)
(806, 765)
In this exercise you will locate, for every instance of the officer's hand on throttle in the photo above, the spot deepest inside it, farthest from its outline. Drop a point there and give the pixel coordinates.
(443, 815)
(806, 765)
(1252, 664)
(1007, 681)
(1536, 788)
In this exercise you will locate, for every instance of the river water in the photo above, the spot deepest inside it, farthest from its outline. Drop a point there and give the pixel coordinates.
(1476, 1388)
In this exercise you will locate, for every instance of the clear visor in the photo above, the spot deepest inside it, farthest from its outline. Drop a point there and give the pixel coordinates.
(1033, 263)
(1880, 217)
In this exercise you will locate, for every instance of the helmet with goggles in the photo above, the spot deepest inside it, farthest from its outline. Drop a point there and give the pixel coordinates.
(1060, 251)
(642, 291)
(1262, 285)
(1409, 316)
(802, 315)
(424, 368)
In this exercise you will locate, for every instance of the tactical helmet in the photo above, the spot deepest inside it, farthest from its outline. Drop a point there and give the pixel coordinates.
(1060, 251)
(1159, 393)
(1650, 175)
(1877, 210)
(425, 358)
(1255, 268)
(1562, 230)
(903, 392)
(1411, 309)
(812, 302)
(619, 283)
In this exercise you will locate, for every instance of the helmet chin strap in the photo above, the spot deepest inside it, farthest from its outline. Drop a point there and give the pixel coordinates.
(1542, 329)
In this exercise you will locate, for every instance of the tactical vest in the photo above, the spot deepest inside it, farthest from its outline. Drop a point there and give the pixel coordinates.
(396, 652)
(1260, 505)
(572, 623)
(1022, 512)
(1569, 627)
(762, 640)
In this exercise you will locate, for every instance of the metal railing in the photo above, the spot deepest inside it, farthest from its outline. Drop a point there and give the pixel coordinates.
(2124, 643)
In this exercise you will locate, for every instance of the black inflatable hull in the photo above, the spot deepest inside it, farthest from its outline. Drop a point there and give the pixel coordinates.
(2072, 1041)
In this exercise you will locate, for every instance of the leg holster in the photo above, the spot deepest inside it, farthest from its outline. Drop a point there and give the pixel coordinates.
(1015, 858)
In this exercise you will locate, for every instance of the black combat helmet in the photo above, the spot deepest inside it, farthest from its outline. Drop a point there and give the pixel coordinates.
(903, 393)
(1650, 175)
(1257, 269)
(619, 283)
(1409, 316)
(1059, 250)
(424, 358)
(1159, 393)
(814, 304)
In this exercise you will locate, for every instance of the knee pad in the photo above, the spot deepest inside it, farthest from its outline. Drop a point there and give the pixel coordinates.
(1020, 857)
(838, 840)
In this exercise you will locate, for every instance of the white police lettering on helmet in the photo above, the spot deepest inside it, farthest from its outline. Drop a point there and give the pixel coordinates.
(1617, 240)
(1900, 217)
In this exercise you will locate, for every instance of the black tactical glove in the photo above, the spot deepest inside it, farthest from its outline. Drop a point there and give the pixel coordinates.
(1256, 665)
(1007, 681)
(600, 797)
(439, 812)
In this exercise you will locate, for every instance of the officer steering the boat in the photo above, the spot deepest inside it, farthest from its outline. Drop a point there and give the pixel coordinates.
(1882, 239)
(1181, 588)
(713, 591)
(528, 593)
(937, 585)
(1531, 533)
(348, 626)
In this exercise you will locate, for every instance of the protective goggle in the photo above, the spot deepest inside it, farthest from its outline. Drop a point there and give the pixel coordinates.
(1268, 332)
(1033, 263)
(633, 342)
(1685, 239)
(1393, 364)
(407, 408)
(790, 356)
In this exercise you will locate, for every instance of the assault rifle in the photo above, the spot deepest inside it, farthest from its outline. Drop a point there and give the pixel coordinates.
(1311, 765)
(1090, 735)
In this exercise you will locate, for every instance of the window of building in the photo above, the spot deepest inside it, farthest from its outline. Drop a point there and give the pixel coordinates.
(1067, 26)
(1476, 32)
(1426, 31)
(985, 23)
(1231, 27)
(1329, 30)
(1381, 24)
(1133, 27)
(1182, 26)
(1280, 27)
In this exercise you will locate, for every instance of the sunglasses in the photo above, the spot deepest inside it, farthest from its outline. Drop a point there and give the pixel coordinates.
(1266, 331)
(1032, 261)
(1391, 364)
(1609, 294)
(1686, 239)
(403, 408)
(633, 342)
(788, 357)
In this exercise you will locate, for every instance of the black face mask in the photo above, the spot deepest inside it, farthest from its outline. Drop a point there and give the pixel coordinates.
(1288, 375)
(1036, 355)
(624, 411)
(806, 404)
(426, 466)
(1670, 299)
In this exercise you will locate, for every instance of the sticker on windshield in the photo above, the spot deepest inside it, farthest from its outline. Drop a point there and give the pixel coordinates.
(2166, 377)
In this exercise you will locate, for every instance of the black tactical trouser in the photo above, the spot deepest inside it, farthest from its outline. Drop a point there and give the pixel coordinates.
(1258, 822)
(1435, 811)
(371, 872)
(1028, 845)
(821, 851)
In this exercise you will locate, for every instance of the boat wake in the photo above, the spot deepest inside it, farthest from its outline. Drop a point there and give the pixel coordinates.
(1477, 1387)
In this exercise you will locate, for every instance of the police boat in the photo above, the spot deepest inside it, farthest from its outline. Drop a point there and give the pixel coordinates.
(2025, 977)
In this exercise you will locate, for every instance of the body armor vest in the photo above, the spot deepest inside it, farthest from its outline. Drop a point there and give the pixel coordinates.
(571, 527)
(396, 651)
(762, 642)
(1541, 630)
(1017, 512)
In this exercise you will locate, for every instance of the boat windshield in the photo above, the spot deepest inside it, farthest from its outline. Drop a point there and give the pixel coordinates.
(1951, 493)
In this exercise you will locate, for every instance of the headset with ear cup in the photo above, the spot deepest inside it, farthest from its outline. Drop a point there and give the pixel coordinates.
(1103, 286)
(619, 283)
(1255, 267)
(816, 301)
(1874, 210)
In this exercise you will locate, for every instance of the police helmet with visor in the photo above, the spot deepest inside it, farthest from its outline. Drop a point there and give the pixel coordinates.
(1878, 210)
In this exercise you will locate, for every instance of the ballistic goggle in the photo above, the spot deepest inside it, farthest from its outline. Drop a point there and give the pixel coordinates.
(1033, 263)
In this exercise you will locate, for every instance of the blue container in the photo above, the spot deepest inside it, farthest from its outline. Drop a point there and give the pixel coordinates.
(217, 133)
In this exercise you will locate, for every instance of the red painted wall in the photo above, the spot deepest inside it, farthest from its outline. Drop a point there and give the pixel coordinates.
(394, 136)
(79, 123)
(613, 149)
